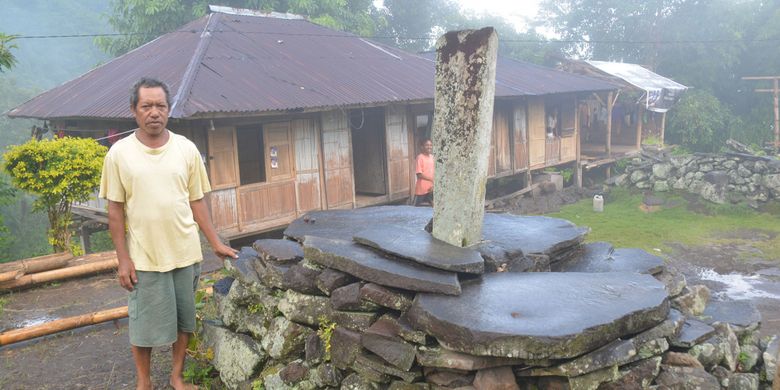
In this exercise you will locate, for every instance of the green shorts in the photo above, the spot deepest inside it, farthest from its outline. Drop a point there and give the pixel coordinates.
(161, 305)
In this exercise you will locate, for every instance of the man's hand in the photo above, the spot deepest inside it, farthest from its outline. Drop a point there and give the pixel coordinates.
(222, 251)
(127, 278)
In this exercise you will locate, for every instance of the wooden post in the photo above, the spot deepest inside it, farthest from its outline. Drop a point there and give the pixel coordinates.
(610, 106)
(465, 88)
(663, 128)
(578, 153)
(639, 117)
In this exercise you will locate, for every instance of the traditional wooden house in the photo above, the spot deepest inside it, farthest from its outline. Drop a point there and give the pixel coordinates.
(291, 116)
(618, 124)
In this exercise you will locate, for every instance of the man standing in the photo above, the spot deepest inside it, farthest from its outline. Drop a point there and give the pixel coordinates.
(155, 182)
(423, 189)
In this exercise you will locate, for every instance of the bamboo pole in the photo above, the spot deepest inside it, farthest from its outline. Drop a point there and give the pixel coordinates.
(58, 274)
(30, 332)
(10, 275)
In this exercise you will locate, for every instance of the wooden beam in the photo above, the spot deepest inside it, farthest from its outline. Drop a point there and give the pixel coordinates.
(30, 332)
(639, 117)
(663, 127)
(760, 77)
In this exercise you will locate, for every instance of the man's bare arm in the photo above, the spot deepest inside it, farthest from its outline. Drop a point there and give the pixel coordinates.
(116, 227)
(201, 214)
(424, 177)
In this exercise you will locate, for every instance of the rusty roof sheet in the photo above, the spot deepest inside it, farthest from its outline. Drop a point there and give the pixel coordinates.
(224, 63)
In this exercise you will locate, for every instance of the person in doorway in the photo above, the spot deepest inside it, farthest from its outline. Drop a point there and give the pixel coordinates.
(155, 181)
(423, 190)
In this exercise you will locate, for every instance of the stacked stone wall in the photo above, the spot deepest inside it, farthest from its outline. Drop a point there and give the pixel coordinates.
(720, 178)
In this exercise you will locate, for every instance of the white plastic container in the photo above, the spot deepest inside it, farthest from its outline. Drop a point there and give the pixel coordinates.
(598, 203)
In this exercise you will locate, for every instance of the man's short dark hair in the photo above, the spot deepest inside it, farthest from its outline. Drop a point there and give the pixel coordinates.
(147, 82)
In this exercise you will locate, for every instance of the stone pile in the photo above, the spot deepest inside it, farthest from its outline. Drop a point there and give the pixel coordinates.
(719, 178)
(366, 299)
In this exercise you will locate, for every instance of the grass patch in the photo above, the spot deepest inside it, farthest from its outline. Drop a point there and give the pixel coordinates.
(624, 224)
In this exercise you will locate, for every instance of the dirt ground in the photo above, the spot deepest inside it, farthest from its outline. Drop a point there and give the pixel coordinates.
(98, 357)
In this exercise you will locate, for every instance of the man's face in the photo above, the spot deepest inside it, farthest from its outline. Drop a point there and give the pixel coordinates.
(151, 113)
(428, 147)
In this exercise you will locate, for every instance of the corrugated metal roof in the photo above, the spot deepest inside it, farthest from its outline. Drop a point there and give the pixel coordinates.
(226, 63)
(520, 78)
(244, 64)
(637, 75)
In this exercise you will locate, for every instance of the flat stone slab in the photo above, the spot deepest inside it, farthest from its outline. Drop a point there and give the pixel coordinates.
(281, 251)
(513, 233)
(618, 260)
(346, 256)
(531, 234)
(421, 247)
(692, 333)
(544, 315)
(743, 314)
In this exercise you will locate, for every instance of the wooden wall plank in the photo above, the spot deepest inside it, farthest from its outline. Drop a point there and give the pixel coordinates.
(536, 132)
(306, 165)
(501, 135)
(520, 137)
(222, 158)
(337, 160)
(399, 151)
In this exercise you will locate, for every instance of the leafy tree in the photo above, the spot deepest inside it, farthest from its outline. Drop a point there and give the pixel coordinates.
(7, 59)
(144, 20)
(59, 172)
(700, 122)
(6, 198)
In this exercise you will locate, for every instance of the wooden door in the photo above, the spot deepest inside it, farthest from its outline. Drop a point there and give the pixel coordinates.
(336, 152)
(501, 136)
(520, 137)
(307, 166)
(536, 127)
(398, 151)
(222, 163)
(278, 152)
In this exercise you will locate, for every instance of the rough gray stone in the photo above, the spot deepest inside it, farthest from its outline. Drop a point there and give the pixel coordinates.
(743, 381)
(272, 273)
(294, 372)
(616, 353)
(694, 301)
(662, 171)
(348, 298)
(593, 380)
(680, 359)
(421, 247)
(498, 378)
(749, 357)
(399, 385)
(637, 176)
(243, 268)
(305, 309)
(325, 375)
(301, 279)
(770, 357)
(345, 346)
(285, 339)
(661, 186)
(382, 339)
(686, 378)
(708, 353)
(729, 344)
(444, 358)
(693, 332)
(314, 349)
(635, 376)
(387, 297)
(673, 280)
(670, 328)
(374, 363)
(494, 317)
(281, 251)
(368, 265)
(330, 279)
(356, 382)
(236, 356)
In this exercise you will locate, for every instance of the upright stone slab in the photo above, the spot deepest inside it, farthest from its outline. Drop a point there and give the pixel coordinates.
(465, 87)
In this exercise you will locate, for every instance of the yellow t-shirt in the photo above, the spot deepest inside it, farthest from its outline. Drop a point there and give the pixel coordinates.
(156, 187)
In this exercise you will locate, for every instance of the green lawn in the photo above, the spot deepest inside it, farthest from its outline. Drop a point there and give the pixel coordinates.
(624, 224)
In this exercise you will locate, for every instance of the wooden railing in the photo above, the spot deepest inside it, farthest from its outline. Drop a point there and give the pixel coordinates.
(552, 150)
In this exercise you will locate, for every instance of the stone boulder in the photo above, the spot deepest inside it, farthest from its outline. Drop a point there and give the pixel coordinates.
(236, 356)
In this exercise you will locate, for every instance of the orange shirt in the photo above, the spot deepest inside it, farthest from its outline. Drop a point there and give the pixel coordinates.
(424, 166)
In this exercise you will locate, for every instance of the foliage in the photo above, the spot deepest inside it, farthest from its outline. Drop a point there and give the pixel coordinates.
(700, 122)
(3, 302)
(325, 332)
(6, 197)
(257, 384)
(59, 172)
(144, 20)
(199, 373)
(624, 224)
(7, 59)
